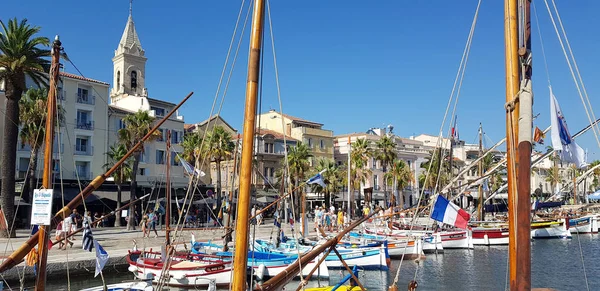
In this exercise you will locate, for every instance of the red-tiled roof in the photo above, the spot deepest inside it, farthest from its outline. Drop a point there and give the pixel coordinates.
(187, 127)
(73, 76)
(276, 134)
(293, 118)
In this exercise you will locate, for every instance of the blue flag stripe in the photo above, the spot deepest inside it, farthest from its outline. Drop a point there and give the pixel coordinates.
(439, 209)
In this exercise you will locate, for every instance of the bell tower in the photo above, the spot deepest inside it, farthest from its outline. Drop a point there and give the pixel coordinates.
(129, 63)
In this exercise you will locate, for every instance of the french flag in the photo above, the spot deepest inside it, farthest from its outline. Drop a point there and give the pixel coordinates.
(447, 212)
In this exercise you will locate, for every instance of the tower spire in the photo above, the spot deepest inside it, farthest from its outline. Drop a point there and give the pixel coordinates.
(130, 8)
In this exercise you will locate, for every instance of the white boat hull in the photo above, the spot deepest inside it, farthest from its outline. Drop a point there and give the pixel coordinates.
(356, 258)
(129, 286)
(551, 232)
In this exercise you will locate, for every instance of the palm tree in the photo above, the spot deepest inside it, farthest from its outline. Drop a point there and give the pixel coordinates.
(32, 114)
(191, 147)
(115, 154)
(595, 174)
(33, 108)
(553, 177)
(137, 125)
(359, 157)
(399, 176)
(332, 177)
(386, 153)
(298, 163)
(219, 147)
(431, 181)
(20, 56)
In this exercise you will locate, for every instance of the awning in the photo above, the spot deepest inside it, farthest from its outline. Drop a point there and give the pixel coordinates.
(21, 202)
(265, 199)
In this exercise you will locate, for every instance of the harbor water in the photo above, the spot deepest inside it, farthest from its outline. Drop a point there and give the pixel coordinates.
(556, 263)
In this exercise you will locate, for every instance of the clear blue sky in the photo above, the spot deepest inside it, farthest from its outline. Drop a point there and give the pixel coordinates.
(348, 64)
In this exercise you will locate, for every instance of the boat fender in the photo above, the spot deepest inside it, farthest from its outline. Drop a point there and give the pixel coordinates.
(132, 269)
(260, 272)
(412, 285)
(179, 276)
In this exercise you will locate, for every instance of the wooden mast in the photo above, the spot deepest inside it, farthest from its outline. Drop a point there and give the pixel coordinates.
(518, 131)
(480, 208)
(40, 283)
(230, 198)
(168, 191)
(349, 209)
(243, 207)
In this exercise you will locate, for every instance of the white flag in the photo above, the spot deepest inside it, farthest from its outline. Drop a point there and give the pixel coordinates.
(101, 257)
(562, 141)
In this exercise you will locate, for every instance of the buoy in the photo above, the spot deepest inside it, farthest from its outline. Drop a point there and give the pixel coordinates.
(132, 269)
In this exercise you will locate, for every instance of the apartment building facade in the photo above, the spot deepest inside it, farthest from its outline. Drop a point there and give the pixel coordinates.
(80, 141)
(319, 140)
(412, 152)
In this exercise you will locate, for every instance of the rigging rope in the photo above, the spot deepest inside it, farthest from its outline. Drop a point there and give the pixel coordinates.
(581, 86)
(460, 74)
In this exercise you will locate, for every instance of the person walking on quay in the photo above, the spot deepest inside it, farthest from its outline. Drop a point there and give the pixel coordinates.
(152, 219)
(97, 217)
(340, 219)
(61, 233)
(144, 226)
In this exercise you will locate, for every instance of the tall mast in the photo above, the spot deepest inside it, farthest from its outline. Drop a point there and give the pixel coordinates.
(40, 283)
(228, 230)
(349, 208)
(518, 128)
(451, 159)
(168, 191)
(243, 207)
(480, 208)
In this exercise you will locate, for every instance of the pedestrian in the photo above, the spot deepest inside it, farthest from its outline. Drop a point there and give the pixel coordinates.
(152, 219)
(62, 234)
(97, 218)
(144, 226)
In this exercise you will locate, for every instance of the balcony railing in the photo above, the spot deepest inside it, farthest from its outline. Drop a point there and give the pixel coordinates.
(84, 150)
(57, 148)
(83, 175)
(81, 124)
(90, 100)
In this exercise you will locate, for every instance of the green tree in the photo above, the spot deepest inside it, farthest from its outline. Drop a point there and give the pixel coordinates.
(20, 55)
(595, 175)
(219, 147)
(137, 125)
(298, 162)
(331, 176)
(359, 157)
(32, 115)
(431, 181)
(386, 154)
(191, 147)
(122, 173)
(400, 176)
(33, 110)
